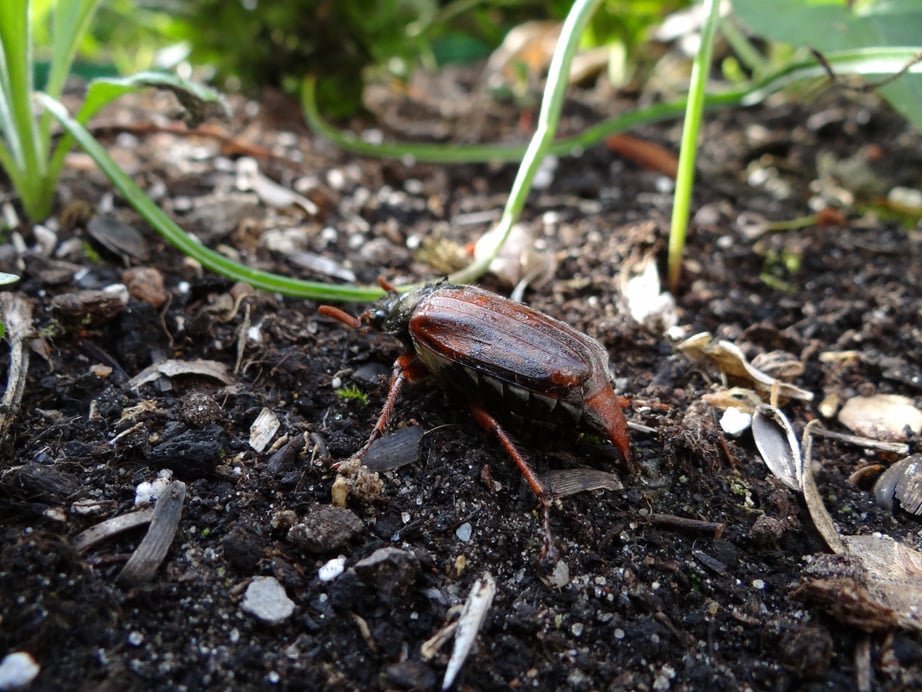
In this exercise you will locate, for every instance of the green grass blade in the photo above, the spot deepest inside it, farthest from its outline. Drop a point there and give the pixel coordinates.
(187, 244)
(26, 161)
(548, 119)
(70, 22)
(685, 178)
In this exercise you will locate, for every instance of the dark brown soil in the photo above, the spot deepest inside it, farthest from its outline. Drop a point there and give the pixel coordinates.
(638, 601)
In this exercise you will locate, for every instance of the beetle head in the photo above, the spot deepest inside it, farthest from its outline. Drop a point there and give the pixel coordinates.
(391, 314)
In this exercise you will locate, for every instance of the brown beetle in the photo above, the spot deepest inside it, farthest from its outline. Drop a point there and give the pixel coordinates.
(499, 355)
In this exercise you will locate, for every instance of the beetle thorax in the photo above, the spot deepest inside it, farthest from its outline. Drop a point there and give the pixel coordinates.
(391, 314)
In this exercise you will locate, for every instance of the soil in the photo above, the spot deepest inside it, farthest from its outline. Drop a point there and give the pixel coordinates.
(687, 578)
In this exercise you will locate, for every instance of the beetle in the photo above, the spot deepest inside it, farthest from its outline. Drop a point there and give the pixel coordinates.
(498, 355)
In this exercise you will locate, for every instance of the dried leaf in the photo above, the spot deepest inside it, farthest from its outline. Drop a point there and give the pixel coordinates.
(733, 363)
(875, 585)
(174, 368)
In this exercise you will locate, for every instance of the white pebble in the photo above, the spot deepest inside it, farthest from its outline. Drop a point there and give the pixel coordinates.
(17, 670)
(265, 599)
(332, 569)
(146, 493)
(464, 531)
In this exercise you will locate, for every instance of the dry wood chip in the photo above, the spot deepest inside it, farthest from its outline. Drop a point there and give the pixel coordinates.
(145, 560)
(85, 540)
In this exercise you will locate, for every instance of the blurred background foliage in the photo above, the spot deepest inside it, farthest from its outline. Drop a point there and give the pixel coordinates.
(248, 45)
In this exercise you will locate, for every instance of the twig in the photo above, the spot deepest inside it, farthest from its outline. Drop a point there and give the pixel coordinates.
(671, 521)
(866, 442)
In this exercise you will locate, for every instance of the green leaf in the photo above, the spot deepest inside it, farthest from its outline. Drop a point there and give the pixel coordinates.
(200, 102)
(830, 26)
(71, 21)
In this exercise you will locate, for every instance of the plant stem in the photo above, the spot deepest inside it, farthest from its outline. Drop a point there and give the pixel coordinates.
(548, 119)
(686, 174)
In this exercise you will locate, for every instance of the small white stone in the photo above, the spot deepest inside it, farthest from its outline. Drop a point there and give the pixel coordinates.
(135, 638)
(464, 532)
(265, 599)
(147, 492)
(17, 670)
(735, 421)
(332, 569)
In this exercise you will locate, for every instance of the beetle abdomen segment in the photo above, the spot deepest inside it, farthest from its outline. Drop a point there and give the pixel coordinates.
(498, 395)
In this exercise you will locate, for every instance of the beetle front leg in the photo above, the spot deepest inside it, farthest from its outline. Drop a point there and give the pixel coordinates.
(489, 423)
(407, 368)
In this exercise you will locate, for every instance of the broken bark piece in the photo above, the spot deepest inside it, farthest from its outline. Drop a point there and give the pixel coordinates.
(113, 526)
(145, 560)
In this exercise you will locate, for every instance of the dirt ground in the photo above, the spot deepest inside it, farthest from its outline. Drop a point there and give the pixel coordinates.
(687, 578)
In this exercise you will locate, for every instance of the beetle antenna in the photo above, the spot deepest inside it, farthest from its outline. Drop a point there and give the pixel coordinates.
(386, 285)
(340, 316)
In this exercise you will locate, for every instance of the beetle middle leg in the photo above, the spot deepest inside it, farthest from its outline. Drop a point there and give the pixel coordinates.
(489, 423)
(407, 368)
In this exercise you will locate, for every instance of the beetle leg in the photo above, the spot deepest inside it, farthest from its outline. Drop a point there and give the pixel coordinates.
(490, 424)
(407, 368)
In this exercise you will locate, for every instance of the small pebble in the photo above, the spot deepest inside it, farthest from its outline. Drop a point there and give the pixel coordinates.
(265, 599)
(390, 571)
(145, 283)
(135, 638)
(325, 528)
(17, 669)
(464, 532)
(332, 569)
